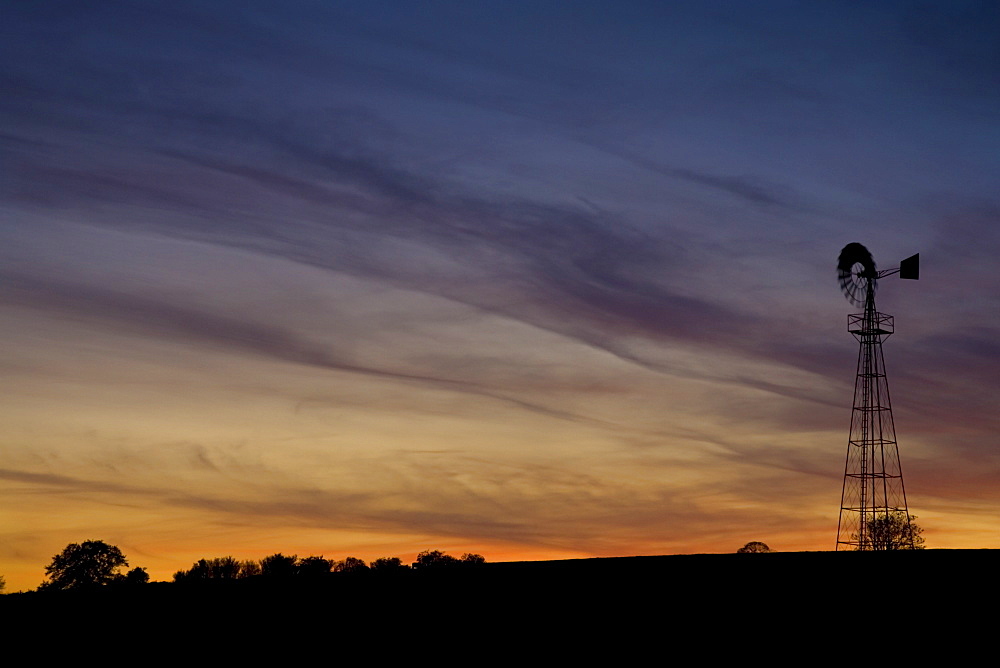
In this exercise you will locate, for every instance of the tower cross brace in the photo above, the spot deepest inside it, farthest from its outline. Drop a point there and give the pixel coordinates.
(873, 496)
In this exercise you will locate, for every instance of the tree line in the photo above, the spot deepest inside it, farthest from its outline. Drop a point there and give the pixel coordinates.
(284, 566)
(95, 563)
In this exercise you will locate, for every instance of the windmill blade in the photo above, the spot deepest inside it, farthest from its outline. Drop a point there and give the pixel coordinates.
(855, 270)
(855, 253)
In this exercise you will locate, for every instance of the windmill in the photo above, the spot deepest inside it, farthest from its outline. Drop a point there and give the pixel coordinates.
(873, 496)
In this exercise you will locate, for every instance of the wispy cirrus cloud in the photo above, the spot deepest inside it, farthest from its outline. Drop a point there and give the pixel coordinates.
(577, 262)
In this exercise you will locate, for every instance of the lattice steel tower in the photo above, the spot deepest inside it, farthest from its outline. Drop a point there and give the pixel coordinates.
(873, 501)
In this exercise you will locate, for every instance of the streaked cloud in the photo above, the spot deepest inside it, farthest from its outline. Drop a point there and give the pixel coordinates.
(548, 280)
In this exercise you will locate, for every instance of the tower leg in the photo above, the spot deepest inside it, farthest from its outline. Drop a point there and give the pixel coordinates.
(873, 510)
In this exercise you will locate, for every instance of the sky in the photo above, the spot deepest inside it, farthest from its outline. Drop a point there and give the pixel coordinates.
(536, 280)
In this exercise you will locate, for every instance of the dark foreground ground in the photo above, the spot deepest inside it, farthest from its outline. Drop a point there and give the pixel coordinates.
(817, 601)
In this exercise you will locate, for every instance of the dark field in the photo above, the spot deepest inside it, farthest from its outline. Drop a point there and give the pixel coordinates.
(745, 592)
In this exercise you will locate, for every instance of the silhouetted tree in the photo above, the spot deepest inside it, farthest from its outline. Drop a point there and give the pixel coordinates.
(350, 565)
(314, 566)
(753, 547)
(88, 564)
(224, 568)
(200, 570)
(892, 531)
(136, 576)
(220, 568)
(278, 566)
(388, 565)
(472, 558)
(181, 576)
(3, 584)
(249, 568)
(434, 559)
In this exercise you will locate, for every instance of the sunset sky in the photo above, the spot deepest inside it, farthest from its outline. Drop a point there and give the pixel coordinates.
(531, 279)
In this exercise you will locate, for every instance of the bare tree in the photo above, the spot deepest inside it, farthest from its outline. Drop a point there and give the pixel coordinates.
(892, 531)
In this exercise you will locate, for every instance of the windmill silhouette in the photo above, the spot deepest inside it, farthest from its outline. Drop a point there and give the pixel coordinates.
(873, 497)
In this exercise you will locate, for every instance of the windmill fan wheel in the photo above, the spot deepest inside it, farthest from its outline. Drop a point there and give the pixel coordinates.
(855, 271)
